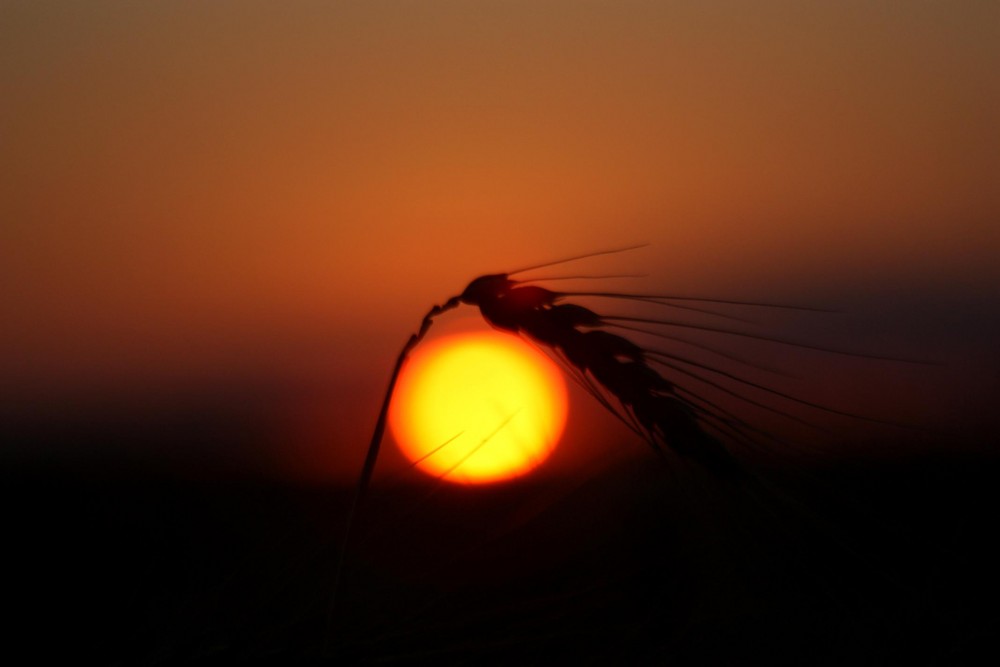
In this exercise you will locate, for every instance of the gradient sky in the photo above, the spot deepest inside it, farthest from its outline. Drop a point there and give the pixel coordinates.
(243, 208)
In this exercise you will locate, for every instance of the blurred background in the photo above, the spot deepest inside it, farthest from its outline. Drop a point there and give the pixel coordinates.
(230, 211)
(220, 221)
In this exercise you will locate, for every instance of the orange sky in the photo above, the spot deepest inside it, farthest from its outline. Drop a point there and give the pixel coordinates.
(203, 195)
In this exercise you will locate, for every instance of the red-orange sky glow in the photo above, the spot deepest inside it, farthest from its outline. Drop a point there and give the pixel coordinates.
(251, 204)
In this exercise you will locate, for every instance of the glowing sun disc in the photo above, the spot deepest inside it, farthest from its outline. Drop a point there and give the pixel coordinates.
(478, 407)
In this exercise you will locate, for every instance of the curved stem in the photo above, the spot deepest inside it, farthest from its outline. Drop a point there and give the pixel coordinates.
(371, 457)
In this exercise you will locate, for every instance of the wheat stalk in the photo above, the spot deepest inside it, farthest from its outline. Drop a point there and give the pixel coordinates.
(620, 374)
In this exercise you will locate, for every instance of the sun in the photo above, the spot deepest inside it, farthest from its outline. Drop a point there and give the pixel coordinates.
(481, 407)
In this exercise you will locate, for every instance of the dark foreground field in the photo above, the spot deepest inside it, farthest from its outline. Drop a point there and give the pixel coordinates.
(893, 564)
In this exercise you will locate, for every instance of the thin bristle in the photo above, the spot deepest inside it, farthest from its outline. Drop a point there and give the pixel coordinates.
(577, 257)
(770, 390)
(728, 302)
(437, 449)
(707, 348)
(667, 304)
(480, 445)
(609, 276)
(770, 339)
(735, 394)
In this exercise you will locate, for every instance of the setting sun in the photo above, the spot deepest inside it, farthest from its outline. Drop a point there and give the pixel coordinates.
(478, 407)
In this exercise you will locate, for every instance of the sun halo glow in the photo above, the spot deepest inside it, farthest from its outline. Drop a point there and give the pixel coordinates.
(481, 407)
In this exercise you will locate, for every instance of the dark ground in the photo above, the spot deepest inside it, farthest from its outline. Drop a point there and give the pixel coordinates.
(893, 564)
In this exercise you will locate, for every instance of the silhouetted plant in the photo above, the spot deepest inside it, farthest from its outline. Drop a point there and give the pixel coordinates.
(620, 374)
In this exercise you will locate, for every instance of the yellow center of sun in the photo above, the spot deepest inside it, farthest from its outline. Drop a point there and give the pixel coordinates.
(478, 407)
